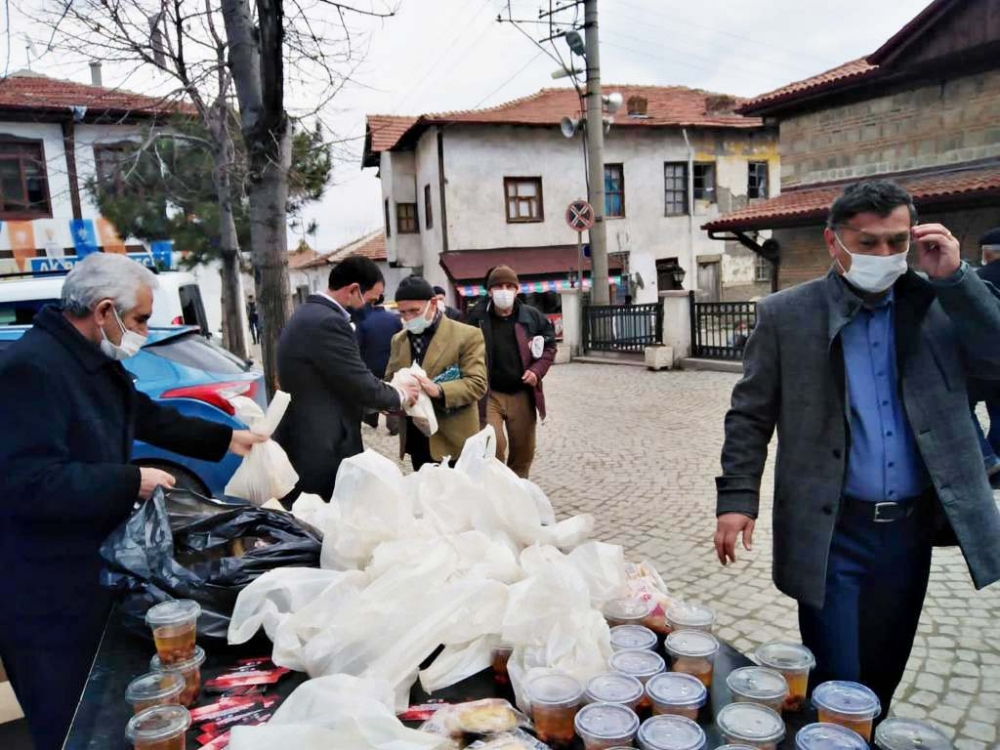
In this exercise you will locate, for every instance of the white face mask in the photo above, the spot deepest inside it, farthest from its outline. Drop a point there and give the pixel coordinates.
(419, 324)
(130, 344)
(441, 306)
(873, 273)
(504, 298)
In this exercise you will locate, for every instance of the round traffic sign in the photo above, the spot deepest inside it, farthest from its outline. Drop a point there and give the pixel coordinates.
(580, 216)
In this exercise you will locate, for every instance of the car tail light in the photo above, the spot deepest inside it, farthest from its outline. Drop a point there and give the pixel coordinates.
(216, 394)
(178, 321)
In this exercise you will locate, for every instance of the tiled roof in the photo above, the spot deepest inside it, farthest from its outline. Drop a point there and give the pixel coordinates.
(385, 130)
(675, 106)
(31, 91)
(804, 205)
(848, 72)
(370, 246)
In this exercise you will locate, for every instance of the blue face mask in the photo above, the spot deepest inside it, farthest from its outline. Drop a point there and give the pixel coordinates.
(419, 324)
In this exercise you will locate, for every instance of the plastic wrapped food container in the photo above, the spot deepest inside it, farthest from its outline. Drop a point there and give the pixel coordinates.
(758, 685)
(155, 689)
(174, 625)
(795, 662)
(614, 687)
(690, 616)
(909, 734)
(159, 728)
(190, 670)
(828, 737)
(627, 611)
(501, 655)
(671, 733)
(749, 724)
(677, 694)
(640, 664)
(847, 704)
(693, 652)
(602, 726)
(555, 701)
(624, 637)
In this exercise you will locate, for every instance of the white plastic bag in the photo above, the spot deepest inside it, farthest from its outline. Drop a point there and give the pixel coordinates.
(370, 505)
(266, 472)
(422, 412)
(339, 711)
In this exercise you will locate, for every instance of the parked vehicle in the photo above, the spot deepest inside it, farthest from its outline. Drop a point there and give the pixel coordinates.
(177, 301)
(181, 368)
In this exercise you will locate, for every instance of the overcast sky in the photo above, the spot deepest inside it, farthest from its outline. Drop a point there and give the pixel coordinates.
(441, 55)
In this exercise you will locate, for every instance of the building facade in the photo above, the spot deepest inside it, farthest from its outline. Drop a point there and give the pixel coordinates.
(922, 110)
(463, 192)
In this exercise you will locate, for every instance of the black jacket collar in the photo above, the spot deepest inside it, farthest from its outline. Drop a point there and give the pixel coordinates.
(51, 320)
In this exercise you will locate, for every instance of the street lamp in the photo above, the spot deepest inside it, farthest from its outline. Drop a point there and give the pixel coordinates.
(678, 274)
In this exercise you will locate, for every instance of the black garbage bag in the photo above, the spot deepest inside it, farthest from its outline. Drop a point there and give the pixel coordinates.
(180, 545)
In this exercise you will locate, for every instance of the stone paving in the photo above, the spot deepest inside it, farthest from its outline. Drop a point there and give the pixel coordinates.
(640, 450)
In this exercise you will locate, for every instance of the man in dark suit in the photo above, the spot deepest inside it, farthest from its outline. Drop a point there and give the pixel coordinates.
(980, 390)
(375, 327)
(70, 412)
(864, 373)
(320, 366)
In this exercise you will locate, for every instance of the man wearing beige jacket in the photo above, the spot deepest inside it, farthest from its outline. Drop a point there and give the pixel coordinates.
(454, 357)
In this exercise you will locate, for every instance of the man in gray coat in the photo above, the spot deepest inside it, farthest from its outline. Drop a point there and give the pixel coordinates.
(320, 366)
(863, 373)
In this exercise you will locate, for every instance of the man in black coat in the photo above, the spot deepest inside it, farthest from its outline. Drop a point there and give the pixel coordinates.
(320, 366)
(69, 413)
(980, 390)
(375, 326)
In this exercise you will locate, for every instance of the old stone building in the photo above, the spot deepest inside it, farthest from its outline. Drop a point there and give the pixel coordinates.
(924, 110)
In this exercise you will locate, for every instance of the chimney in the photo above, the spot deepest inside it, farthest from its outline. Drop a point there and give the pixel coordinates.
(637, 106)
(95, 73)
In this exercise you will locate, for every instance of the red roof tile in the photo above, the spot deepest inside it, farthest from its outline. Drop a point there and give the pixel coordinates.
(848, 72)
(804, 205)
(371, 246)
(384, 130)
(672, 106)
(37, 92)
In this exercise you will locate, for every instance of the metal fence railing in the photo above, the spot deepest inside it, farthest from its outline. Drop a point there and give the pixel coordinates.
(719, 330)
(622, 328)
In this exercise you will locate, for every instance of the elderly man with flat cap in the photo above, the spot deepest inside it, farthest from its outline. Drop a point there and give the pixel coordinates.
(454, 358)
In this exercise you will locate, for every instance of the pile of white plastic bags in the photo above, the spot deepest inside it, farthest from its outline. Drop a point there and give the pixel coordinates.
(469, 558)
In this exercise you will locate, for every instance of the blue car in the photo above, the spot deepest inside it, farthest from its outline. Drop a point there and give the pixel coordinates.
(180, 368)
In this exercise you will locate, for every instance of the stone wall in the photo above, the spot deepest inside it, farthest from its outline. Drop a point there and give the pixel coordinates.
(932, 125)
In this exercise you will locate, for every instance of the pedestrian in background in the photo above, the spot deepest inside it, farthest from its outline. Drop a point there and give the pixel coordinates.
(984, 390)
(520, 348)
(375, 326)
(253, 319)
(441, 297)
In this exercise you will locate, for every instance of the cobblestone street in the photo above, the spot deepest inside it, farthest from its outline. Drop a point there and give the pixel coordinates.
(640, 450)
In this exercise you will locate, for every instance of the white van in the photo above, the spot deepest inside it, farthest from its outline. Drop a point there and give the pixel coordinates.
(177, 301)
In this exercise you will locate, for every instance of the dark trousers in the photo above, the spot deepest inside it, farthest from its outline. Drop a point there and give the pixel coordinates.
(255, 329)
(875, 584)
(48, 672)
(418, 445)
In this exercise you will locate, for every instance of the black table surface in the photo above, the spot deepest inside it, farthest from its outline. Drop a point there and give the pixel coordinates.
(100, 720)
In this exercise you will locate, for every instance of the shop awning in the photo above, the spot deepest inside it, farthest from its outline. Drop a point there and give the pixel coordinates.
(471, 266)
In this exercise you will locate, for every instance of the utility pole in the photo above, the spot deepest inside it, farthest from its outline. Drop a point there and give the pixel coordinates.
(595, 144)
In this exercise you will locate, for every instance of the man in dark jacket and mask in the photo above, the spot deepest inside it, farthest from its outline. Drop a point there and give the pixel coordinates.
(70, 413)
(520, 348)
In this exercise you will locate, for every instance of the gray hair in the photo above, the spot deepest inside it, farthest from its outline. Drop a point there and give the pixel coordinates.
(105, 276)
